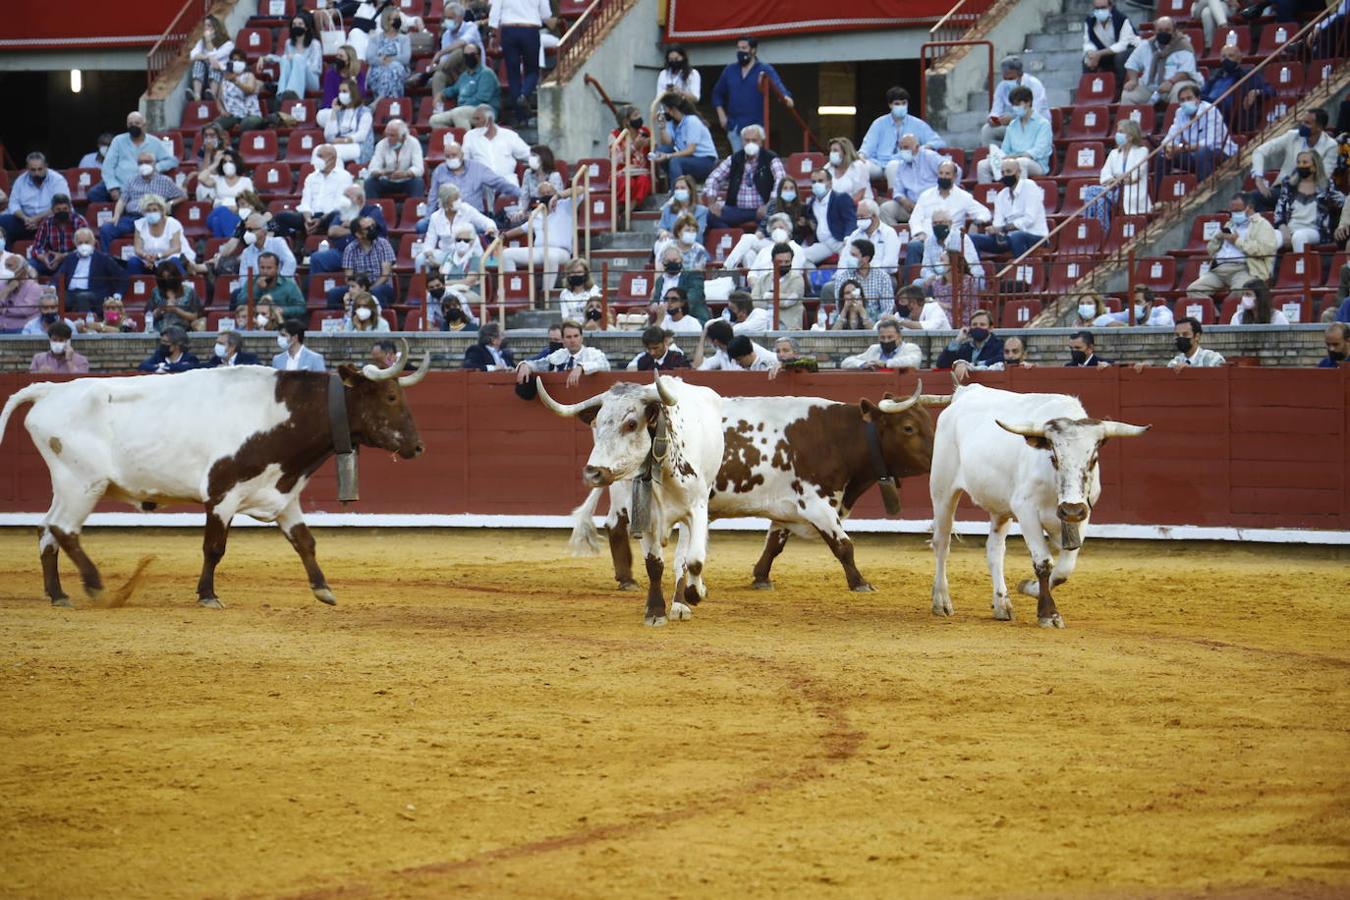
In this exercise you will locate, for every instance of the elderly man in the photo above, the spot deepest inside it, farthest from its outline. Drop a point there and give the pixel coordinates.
(123, 159)
(90, 275)
(30, 199)
(270, 282)
(1254, 93)
(396, 168)
(740, 188)
(147, 181)
(913, 171)
(1160, 66)
(447, 221)
(1019, 215)
(553, 236)
(19, 294)
(962, 210)
(475, 86)
(56, 236)
(478, 184)
(369, 255)
(493, 145)
(1108, 38)
(882, 144)
(257, 241)
(457, 35)
(1311, 134)
(1001, 112)
(229, 352)
(339, 229)
(1029, 139)
(945, 237)
(321, 197)
(48, 314)
(1198, 140)
(1242, 250)
(687, 284)
(883, 238)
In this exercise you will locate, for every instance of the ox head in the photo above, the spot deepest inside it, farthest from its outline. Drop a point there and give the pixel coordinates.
(905, 429)
(624, 420)
(1073, 445)
(377, 408)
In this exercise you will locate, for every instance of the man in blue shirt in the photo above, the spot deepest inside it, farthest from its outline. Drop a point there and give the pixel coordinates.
(687, 144)
(736, 95)
(30, 199)
(1029, 140)
(881, 144)
(119, 166)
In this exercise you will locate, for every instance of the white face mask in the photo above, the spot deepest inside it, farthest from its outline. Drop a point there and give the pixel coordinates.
(6, 274)
(58, 347)
(229, 169)
(221, 351)
(819, 189)
(250, 238)
(849, 261)
(146, 170)
(344, 97)
(261, 320)
(283, 340)
(1140, 313)
(239, 66)
(363, 313)
(453, 163)
(681, 195)
(752, 149)
(1249, 302)
(864, 224)
(779, 235)
(836, 158)
(244, 212)
(84, 249)
(687, 237)
(463, 247)
(1087, 310)
(535, 163)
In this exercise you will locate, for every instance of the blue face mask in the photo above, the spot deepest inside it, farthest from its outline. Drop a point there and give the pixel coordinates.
(900, 110)
(1190, 107)
(1239, 218)
(906, 156)
(1121, 139)
(1102, 15)
(1019, 112)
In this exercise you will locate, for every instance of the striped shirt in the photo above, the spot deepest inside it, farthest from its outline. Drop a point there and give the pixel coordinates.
(371, 262)
(58, 237)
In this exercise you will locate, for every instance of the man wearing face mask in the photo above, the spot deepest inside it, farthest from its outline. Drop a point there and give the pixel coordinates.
(94, 158)
(1146, 314)
(1160, 66)
(878, 286)
(147, 182)
(495, 146)
(675, 277)
(882, 238)
(457, 35)
(172, 354)
(56, 236)
(1108, 38)
(396, 168)
(739, 189)
(946, 238)
(257, 241)
(60, 357)
(90, 275)
(1198, 139)
(284, 293)
(122, 162)
(1241, 250)
(1254, 93)
(320, 198)
(1083, 352)
(882, 143)
(517, 23)
(229, 351)
(339, 225)
(889, 352)
(1338, 346)
(753, 251)
(1001, 113)
(976, 344)
(30, 199)
(831, 216)
(47, 315)
(476, 86)
(962, 210)
(1029, 140)
(478, 185)
(913, 171)
(736, 95)
(369, 255)
(294, 355)
(449, 220)
(1189, 352)
(1311, 134)
(1019, 215)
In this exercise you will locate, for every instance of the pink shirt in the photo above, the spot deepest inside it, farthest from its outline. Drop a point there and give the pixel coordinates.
(19, 305)
(51, 364)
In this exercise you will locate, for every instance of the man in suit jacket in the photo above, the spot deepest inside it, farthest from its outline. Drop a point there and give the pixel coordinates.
(839, 212)
(294, 354)
(95, 275)
(976, 344)
(1083, 351)
(488, 355)
(677, 277)
(172, 354)
(229, 351)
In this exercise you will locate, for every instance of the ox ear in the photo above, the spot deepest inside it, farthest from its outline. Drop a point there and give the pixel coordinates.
(652, 411)
(1033, 435)
(870, 411)
(351, 376)
(588, 415)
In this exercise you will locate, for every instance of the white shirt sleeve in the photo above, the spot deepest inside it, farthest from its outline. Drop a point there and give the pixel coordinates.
(934, 318)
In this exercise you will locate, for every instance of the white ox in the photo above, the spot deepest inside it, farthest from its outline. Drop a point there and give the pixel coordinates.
(1032, 457)
(672, 432)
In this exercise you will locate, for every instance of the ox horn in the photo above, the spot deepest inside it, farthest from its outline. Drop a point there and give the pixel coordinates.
(898, 406)
(936, 399)
(423, 368)
(1123, 429)
(567, 409)
(1036, 431)
(664, 392)
(375, 373)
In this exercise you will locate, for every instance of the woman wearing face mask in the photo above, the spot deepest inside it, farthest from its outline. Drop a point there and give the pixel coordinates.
(225, 261)
(174, 301)
(677, 77)
(849, 170)
(1256, 306)
(460, 270)
(851, 314)
(221, 183)
(364, 314)
(19, 294)
(633, 159)
(1088, 309)
(450, 217)
(388, 56)
(211, 145)
(1124, 177)
(209, 57)
(539, 168)
(301, 58)
(267, 316)
(1308, 206)
(593, 316)
(692, 253)
(114, 319)
(349, 127)
(683, 199)
(579, 289)
(346, 65)
(159, 238)
(753, 251)
(238, 100)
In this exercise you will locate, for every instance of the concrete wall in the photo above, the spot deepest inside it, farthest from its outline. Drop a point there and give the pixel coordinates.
(948, 91)
(93, 60)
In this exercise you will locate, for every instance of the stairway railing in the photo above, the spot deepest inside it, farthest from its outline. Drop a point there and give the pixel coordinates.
(585, 35)
(174, 39)
(769, 89)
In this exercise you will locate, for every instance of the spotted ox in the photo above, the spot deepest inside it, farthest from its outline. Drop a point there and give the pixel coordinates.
(668, 437)
(801, 462)
(244, 439)
(1029, 457)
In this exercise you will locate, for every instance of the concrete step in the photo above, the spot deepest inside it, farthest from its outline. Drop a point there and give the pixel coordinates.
(1054, 66)
(1055, 41)
(625, 240)
(963, 123)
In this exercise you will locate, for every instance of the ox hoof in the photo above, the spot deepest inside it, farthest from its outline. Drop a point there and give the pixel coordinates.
(654, 621)
(62, 603)
(324, 595)
(628, 585)
(1054, 621)
(94, 594)
(762, 584)
(680, 613)
(862, 588)
(942, 607)
(210, 602)
(1003, 612)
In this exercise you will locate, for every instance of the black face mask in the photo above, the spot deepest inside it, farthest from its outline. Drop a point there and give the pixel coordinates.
(1164, 38)
(49, 318)
(593, 315)
(1305, 172)
(62, 216)
(471, 61)
(340, 65)
(1336, 356)
(635, 124)
(784, 270)
(1077, 357)
(673, 268)
(576, 280)
(1229, 65)
(135, 131)
(979, 334)
(554, 345)
(902, 312)
(435, 293)
(1009, 181)
(742, 57)
(675, 311)
(674, 65)
(1184, 344)
(396, 23)
(941, 231)
(944, 184)
(37, 179)
(888, 347)
(372, 233)
(297, 32)
(454, 315)
(1008, 363)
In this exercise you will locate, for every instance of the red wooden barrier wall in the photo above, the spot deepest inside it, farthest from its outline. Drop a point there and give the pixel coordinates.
(1229, 447)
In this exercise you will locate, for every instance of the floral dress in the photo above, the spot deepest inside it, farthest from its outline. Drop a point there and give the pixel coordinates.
(385, 78)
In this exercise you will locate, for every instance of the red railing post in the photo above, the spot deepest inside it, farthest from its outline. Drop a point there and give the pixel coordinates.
(604, 296)
(1129, 284)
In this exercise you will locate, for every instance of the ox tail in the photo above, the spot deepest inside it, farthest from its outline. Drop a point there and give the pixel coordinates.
(585, 540)
(31, 394)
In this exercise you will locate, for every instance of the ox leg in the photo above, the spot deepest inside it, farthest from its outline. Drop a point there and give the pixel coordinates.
(656, 571)
(64, 521)
(944, 511)
(774, 542)
(832, 532)
(995, 551)
(680, 602)
(49, 551)
(1065, 562)
(297, 532)
(621, 549)
(1042, 564)
(696, 591)
(213, 551)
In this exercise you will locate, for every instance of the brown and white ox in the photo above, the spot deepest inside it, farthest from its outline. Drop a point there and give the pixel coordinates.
(802, 463)
(243, 439)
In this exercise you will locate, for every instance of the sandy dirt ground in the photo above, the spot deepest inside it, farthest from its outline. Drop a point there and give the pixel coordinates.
(481, 715)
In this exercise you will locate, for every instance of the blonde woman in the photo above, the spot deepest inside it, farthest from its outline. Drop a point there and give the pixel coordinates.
(364, 314)
(1088, 309)
(1308, 205)
(849, 170)
(159, 238)
(388, 56)
(683, 199)
(1124, 177)
(579, 288)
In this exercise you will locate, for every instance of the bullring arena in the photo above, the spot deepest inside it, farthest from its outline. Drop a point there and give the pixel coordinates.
(482, 713)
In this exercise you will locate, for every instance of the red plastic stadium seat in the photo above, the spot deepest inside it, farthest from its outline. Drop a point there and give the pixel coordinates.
(175, 142)
(1074, 194)
(1201, 308)
(1124, 229)
(1287, 79)
(138, 291)
(1229, 35)
(1175, 187)
(1176, 9)
(1299, 270)
(225, 288)
(403, 261)
(1065, 272)
(985, 193)
(1030, 273)
(1019, 313)
(635, 287)
(1159, 273)
(258, 146)
(255, 42)
(193, 216)
(515, 288)
(720, 242)
(215, 320)
(302, 111)
(1083, 237)
(1143, 116)
(300, 147)
(409, 214)
(1096, 89)
(800, 165)
(436, 144)
(1202, 229)
(1273, 37)
(387, 108)
(387, 208)
(1088, 123)
(602, 214)
(1083, 159)
(198, 112)
(320, 285)
(599, 169)
(1297, 308)
(1333, 271)
(273, 179)
(80, 181)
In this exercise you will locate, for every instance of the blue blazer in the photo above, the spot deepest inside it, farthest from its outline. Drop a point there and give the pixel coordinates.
(309, 361)
(106, 275)
(242, 358)
(841, 216)
(990, 353)
(478, 357)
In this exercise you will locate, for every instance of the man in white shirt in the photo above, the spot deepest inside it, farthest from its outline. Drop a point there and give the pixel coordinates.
(552, 235)
(1108, 38)
(1158, 67)
(946, 238)
(733, 352)
(294, 355)
(746, 318)
(962, 209)
(1000, 113)
(1146, 314)
(323, 189)
(1189, 352)
(883, 237)
(1311, 134)
(1019, 215)
(890, 352)
(517, 23)
(396, 168)
(574, 358)
(494, 146)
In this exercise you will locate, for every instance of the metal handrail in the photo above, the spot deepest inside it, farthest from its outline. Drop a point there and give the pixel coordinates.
(768, 88)
(604, 95)
(584, 36)
(171, 42)
(923, 68)
(494, 247)
(582, 176)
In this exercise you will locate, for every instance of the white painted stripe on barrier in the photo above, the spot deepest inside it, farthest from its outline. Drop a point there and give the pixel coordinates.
(856, 526)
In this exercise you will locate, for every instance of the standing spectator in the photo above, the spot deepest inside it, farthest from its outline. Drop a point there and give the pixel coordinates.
(1338, 345)
(388, 56)
(848, 170)
(257, 241)
(238, 100)
(124, 159)
(1311, 134)
(1257, 307)
(1308, 204)
(1029, 140)
(280, 291)
(294, 355)
(517, 23)
(889, 352)
(913, 171)
(962, 210)
(1124, 177)
(552, 235)
(736, 95)
(1158, 68)
(1242, 250)
(497, 147)
(579, 288)
(1001, 113)
(852, 312)
(208, 58)
(975, 344)
(683, 201)
(1189, 351)
(882, 143)
(1254, 93)
(878, 286)
(658, 353)
(320, 198)
(633, 164)
(301, 58)
(94, 158)
(147, 185)
(451, 220)
(90, 275)
(19, 294)
(60, 358)
(396, 168)
(677, 77)
(56, 236)
(458, 33)
(686, 143)
(30, 199)
(350, 126)
(832, 216)
(172, 355)
(369, 255)
(1198, 140)
(675, 277)
(1083, 352)
(173, 302)
(48, 314)
(791, 289)
(159, 238)
(1019, 215)
(575, 358)
(221, 182)
(1108, 38)
(478, 184)
(489, 354)
(229, 352)
(476, 86)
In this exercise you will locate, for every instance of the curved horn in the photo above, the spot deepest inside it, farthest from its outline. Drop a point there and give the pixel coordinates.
(664, 392)
(1028, 430)
(897, 406)
(375, 373)
(423, 368)
(1123, 429)
(567, 409)
(936, 399)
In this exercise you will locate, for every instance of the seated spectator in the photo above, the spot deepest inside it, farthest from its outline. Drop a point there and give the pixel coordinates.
(159, 238)
(94, 158)
(455, 315)
(489, 354)
(257, 240)
(225, 261)
(849, 171)
(732, 352)
(451, 218)
(130, 205)
(962, 211)
(19, 294)
(60, 358)
(384, 354)
(363, 314)
(478, 185)
(739, 189)
(830, 217)
(790, 355)
(124, 158)
(852, 313)
(369, 255)
(1028, 140)
(172, 355)
(791, 289)
(267, 316)
(753, 251)
(1019, 215)
(575, 358)
(115, 319)
(30, 200)
(495, 146)
(221, 182)
(350, 126)
(658, 353)
(914, 310)
(388, 56)
(460, 272)
(913, 171)
(215, 143)
(294, 355)
(1108, 38)
(475, 87)
(1090, 308)
(683, 200)
(676, 276)
(1189, 351)
(630, 165)
(1147, 313)
(300, 62)
(337, 224)
(1002, 113)
(944, 242)
(1255, 91)
(458, 33)
(745, 317)
(173, 301)
(1014, 354)
(692, 253)
(1160, 67)
(1083, 352)
(1198, 140)
(593, 315)
(976, 344)
(209, 58)
(90, 275)
(890, 352)
(540, 167)
(238, 97)
(48, 314)
(56, 236)
(677, 77)
(1308, 204)
(579, 288)
(554, 342)
(1337, 339)
(878, 286)
(1124, 177)
(282, 291)
(686, 145)
(1256, 306)
(1213, 14)
(1310, 136)
(884, 238)
(1242, 250)
(229, 352)
(347, 64)
(957, 292)
(880, 144)
(552, 235)
(396, 167)
(678, 319)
